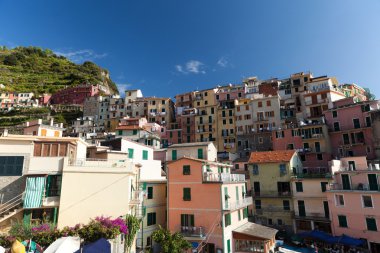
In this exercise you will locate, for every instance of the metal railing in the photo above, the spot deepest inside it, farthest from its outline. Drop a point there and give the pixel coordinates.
(193, 231)
(354, 187)
(272, 194)
(10, 205)
(223, 177)
(89, 162)
(238, 204)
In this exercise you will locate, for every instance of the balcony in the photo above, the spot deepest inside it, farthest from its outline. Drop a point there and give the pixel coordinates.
(223, 178)
(354, 187)
(312, 216)
(272, 194)
(271, 209)
(247, 201)
(196, 232)
(312, 136)
(100, 165)
(45, 165)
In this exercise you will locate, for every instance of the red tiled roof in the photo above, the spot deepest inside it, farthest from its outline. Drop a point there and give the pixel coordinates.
(128, 128)
(271, 156)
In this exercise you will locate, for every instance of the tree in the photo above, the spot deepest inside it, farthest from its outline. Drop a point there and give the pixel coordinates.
(170, 243)
(133, 224)
(369, 94)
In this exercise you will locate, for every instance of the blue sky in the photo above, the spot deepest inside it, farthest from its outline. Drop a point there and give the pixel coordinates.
(166, 47)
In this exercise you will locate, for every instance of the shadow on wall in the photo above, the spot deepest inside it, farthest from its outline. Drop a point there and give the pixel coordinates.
(10, 187)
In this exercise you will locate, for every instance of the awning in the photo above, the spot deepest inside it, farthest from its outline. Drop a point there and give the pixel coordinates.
(256, 230)
(35, 187)
(319, 235)
(350, 241)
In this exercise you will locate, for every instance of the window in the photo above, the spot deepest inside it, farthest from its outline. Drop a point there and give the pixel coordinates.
(299, 187)
(319, 157)
(145, 155)
(367, 201)
(279, 222)
(151, 219)
(186, 194)
(255, 170)
(130, 153)
(356, 123)
(258, 204)
(134, 132)
(239, 215)
(286, 205)
(261, 140)
(336, 126)
(227, 220)
(187, 220)
(368, 121)
(342, 221)
(335, 114)
(339, 200)
(268, 103)
(148, 241)
(270, 222)
(11, 165)
(245, 213)
(150, 192)
(282, 169)
(346, 139)
(53, 185)
(174, 155)
(260, 104)
(371, 224)
(163, 102)
(323, 186)
(200, 153)
(186, 169)
(224, 122)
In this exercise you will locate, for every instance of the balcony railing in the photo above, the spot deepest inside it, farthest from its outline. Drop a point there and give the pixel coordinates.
(272, 194)
(100, 163)
(271, 209)
(354, 187)
(312, 175)
(193, 231)
(222, 177)
(238, 204)
(314, 216)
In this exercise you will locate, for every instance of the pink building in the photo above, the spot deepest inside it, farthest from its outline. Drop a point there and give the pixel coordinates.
(354, 200)
(208, 205)
(44, 99)
(350, 128)
(74, 95)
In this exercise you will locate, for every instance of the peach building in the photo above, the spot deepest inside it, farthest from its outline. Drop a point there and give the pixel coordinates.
(209, 206)
(354, 200)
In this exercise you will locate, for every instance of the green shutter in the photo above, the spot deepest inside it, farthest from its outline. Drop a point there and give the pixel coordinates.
(342, 221)
(239, 216)
(27, 216)
(225, 197)
(182, 220)
(144, 186)
(120, 132)
(48, 185)
(237, 192)
(174, 155)
(219, 170)
(228, 246)
(200, 153)
(35, 187)
(145, 155)
(371, 224)
(171, 134)
(186, 194)
(55, 216)
(130, 153)
(192, 220)
(150, 192)
(242, 191)
(134, 132)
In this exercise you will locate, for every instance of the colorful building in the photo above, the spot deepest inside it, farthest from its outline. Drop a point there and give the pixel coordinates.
(354, 199)
(74, 95)
(270, 174)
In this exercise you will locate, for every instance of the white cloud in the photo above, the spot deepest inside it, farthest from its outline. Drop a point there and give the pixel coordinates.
(223, 62)
(80, 56)
(122, 87)
(192, 67)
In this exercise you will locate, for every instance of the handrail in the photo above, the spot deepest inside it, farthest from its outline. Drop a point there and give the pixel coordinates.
(7, 206)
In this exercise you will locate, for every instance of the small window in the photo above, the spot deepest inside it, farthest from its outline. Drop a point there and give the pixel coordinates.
(336, 126)
(200, 153)
(283, 169)
(227, 220)
(339, 199)
(299, 187)
(130, 153)
(268, 103)
(145, 155)
(371, 224)
(286, 205)
(270, 221)
(150, 192)
(367, 201)
(255, 170)
(334, 114)
(186, 194)
(151, 219)
(319, 157)
(279, 222)
(260, 104)
(186, 169)
(356, 123)
(323, 186)
(342, 221)
(258, 204)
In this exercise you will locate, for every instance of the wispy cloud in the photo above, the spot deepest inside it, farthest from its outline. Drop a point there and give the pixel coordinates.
(222, 62)
(191, 67)
(123, 86)
(79, 56)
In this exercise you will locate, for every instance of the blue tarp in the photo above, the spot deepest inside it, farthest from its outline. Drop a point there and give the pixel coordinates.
(319, 235)
(350, 241)
(100, 246)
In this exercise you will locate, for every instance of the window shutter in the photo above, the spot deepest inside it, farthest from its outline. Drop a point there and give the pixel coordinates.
(192, 220)
(145, 155)
(371, 224)
(130, 153)
(200, 153)
(174, 155)
(48, 183)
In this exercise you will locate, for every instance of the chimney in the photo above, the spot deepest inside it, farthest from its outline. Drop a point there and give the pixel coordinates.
(51, 121)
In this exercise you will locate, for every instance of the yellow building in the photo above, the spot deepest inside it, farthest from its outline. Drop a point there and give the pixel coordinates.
(270, 175)
(206, 117)
(160, 110)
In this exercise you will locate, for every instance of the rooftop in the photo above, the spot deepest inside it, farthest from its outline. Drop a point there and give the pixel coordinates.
(193, 144)
(256, 230)
(271, 156)
(200, 160)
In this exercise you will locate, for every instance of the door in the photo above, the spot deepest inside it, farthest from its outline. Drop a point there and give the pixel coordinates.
(317, 147)
(326, 208)
(346, 182)
(372, 180)
(301, 208)
(256, 188)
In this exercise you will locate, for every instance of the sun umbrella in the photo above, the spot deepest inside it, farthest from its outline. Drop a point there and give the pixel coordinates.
(64, 245)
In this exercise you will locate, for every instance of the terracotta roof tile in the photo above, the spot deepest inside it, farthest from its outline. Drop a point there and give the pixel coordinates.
(271, 156)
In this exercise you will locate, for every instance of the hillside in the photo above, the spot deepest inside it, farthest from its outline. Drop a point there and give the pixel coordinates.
(40, 70)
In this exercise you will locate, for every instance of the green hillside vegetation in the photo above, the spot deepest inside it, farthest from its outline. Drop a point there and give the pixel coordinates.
(32, 69)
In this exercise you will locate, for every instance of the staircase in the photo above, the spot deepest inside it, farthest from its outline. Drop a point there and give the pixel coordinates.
(11, 207)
